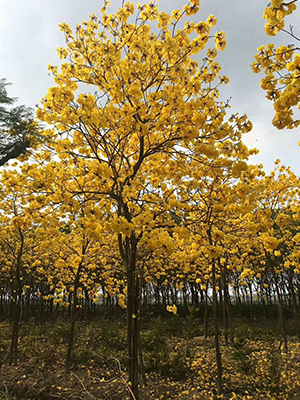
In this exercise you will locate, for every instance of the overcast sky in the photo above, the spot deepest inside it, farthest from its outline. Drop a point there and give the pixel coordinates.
(30, 35)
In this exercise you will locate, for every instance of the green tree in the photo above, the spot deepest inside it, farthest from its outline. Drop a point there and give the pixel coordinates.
(17, 127)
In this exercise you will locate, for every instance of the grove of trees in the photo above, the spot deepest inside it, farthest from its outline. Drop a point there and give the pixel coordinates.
(138, 190)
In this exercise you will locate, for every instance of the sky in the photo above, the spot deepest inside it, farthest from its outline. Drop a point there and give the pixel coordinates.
(30, 36)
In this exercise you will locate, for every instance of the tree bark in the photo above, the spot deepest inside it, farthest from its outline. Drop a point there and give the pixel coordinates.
(133, 316)
(216, 330)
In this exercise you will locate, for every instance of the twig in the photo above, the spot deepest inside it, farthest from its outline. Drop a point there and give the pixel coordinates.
(85, 389)
(6, 394)
(123, 380)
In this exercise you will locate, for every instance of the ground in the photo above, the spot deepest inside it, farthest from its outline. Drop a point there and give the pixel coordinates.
(179, 363)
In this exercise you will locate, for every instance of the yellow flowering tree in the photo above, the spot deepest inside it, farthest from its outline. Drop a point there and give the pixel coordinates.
(281, 65)
(74, 253)
(277, 231)
(220, 197)
(151, 108)
(17, 249)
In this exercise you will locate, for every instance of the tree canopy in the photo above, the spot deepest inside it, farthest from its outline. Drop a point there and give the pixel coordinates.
(18, 129)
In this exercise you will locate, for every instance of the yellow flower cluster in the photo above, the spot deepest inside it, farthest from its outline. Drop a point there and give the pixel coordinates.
(280, 65)
(220, 41)
(275, 14)
(172, 309)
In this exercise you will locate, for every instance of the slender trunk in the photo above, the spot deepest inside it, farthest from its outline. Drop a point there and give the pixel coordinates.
(262, 298)
(216, 330)
(17, 298)
(279, 305)
(133, 316)
(251, 300)
(13, 356)
(205, 322)
(228, 310)
(225, 319)
(294, 305)
(220, 302)
(26, 308)
(73, 315)
(192, 295)
(280, 314)
(141, 360)
(238, 300)
(73, 310)
(215, 321)
(185, 299)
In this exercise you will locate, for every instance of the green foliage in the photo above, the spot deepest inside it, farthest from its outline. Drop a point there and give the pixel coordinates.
(18, 129)
(242, 351)
(168, 357)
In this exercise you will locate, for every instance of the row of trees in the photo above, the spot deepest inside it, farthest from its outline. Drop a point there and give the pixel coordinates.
(144, 182)
(236, 241)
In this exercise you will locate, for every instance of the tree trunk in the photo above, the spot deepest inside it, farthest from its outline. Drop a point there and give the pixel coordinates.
(17, 298)
(216, 330)
(294, 305)
(73, 315)
(73, 307)
(215, 320)
(128, 251)
(280, 314)
(205, 322)
(225, 319)
(13, 356)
